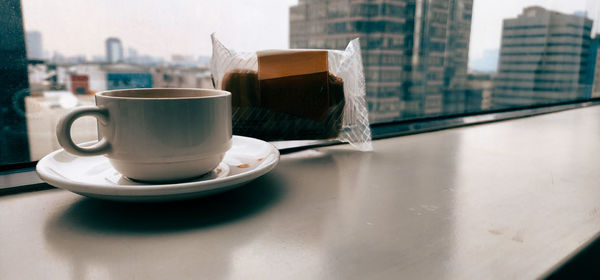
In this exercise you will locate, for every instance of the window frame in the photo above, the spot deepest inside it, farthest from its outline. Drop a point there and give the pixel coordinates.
(23, 178)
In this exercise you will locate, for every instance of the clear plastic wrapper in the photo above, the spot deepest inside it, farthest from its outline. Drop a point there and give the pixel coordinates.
(295, 94)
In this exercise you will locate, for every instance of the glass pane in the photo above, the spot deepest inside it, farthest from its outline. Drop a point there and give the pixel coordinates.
(422, 58)
(428, 58)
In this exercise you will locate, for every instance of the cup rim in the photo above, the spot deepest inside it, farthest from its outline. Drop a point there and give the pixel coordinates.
(216, 93)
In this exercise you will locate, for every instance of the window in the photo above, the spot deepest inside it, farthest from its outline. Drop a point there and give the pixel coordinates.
(422, 59)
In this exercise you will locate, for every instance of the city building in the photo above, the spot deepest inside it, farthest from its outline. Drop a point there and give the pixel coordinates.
(33, 40)
(132, 55)
(114, 50)
(543, 58)
(98, 58)
(479, 92)
(124, 76)
(14, 85)
(415, 53)
(58, 57)
(170, 77)
(96, 74)
(79, 84)
(183, 60)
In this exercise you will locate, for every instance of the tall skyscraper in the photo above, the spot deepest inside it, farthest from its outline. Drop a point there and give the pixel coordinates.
(543, 58)
(414, 51)
(33, 40)
(114, 50)
(14, 144)
(132, 55)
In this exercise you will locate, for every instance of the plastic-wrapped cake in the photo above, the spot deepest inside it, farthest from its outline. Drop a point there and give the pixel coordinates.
(295, 94)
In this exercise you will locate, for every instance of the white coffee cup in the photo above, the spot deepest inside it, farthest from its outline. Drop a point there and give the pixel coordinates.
(156, 134)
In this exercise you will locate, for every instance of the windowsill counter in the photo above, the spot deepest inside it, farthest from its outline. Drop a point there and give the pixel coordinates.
(503, 200)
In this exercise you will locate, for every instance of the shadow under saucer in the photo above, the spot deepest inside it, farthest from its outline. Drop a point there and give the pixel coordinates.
(90, 214)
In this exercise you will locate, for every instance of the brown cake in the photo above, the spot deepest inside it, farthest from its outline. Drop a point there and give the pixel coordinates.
(289, 98)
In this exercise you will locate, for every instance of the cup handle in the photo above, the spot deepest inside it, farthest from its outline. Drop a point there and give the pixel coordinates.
(63, 131)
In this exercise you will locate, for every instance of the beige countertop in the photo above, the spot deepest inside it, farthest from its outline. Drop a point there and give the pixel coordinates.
(504, 200)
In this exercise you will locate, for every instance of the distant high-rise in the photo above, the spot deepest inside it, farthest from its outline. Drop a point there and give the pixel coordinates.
(414, 52)
(33, 40)
(132, 55)
(114, 50)
(543, 58)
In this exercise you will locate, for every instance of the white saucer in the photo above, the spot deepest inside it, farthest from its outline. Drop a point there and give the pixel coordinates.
(247, 159)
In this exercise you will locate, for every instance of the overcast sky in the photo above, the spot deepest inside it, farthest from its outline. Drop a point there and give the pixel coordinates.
(162, 28)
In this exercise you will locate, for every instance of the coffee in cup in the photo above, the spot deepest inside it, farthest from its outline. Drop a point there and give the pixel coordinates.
(156, 135)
